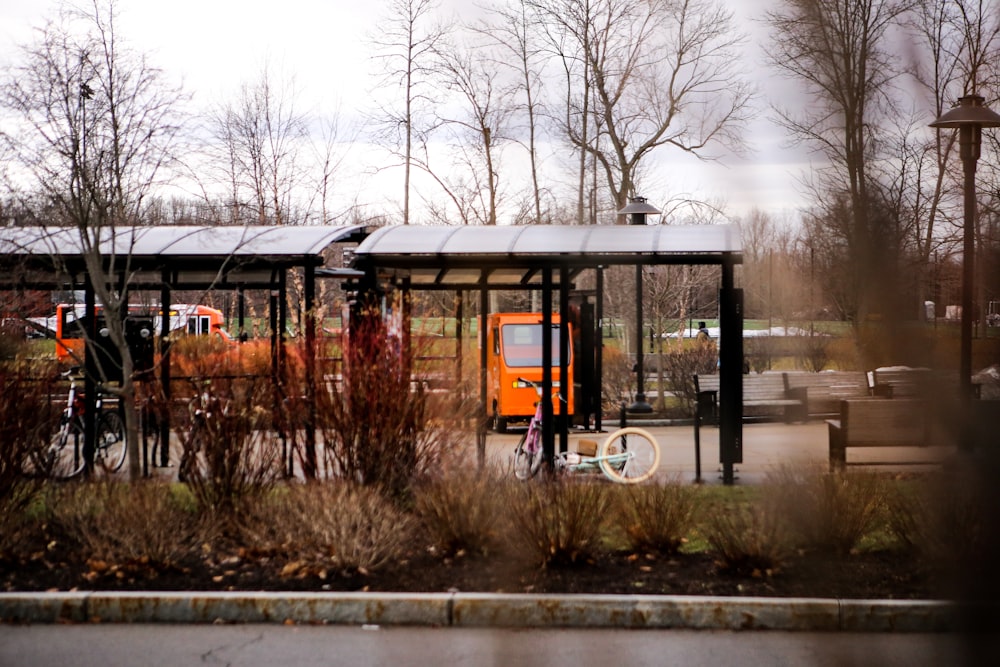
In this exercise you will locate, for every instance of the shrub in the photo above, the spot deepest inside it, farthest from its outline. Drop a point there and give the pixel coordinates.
(27, 419)
(747, 538)
(463, 511)
(758, 352)
(617, 379)
(814, 352)
(829, 510)
(947, 521)
(230, 456)
(122, 524)
(376, 428)
(560, 522)
(682, 364)
(657, 517)
(330, 526)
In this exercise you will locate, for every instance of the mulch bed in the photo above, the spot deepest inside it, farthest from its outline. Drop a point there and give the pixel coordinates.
(876, 575)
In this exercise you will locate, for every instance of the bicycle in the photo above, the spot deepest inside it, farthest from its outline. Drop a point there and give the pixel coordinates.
(63, 457)
(628, 456)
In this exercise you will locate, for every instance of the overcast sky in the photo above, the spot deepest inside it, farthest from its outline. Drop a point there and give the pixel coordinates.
(213, 46)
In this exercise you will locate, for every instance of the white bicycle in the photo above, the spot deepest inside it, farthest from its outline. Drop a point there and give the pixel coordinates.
(628, 456)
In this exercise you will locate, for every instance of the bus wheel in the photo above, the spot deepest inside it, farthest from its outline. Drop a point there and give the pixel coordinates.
(499, 423)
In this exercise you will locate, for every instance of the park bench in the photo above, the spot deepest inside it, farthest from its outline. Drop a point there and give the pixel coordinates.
(882, 422)
(764, 396)
(826, 389)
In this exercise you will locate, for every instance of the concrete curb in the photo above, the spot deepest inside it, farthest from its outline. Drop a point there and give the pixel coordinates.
(483, 610)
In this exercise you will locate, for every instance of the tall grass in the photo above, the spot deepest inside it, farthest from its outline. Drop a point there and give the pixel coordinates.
(748, 538)
(466, 511)
(828, 510)
(657, 517)
(560, 522)
(330, 526)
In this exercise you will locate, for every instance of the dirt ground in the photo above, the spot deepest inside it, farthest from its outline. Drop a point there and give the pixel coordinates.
(860, 576)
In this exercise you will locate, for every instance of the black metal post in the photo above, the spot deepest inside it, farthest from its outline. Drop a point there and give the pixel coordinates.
(548, 439)
(599, 352)
(165, 379)
(310, 464)
(565, 381)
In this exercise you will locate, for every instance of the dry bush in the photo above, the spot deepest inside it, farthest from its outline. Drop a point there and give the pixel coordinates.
(617, 379)
(829, 510)
(27, 420)
(16, 522)
(376, 428)
(747, 538)
(329, 526)
(813, 352)
(758, 353)
(121, 524)
(560, 522)
(680, 366)
(463, 511)
(231, 456)
(657, 517)
(947, 521)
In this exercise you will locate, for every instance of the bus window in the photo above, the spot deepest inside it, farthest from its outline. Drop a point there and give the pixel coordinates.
(522, 345)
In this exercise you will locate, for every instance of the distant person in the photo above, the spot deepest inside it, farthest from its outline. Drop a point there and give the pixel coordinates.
(702, 336)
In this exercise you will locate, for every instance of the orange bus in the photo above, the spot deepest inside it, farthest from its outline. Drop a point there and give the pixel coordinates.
(195, 319)
(514, 350)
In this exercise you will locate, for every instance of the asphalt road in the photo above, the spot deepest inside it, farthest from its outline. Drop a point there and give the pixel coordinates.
(109, 645)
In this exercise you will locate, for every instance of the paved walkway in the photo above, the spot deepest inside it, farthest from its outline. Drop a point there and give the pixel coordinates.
(766, 447)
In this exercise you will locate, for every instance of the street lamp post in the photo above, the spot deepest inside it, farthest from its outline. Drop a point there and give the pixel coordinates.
(638, 209)
(969, 117)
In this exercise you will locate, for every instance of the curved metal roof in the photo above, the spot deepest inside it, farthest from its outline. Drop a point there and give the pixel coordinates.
(192, 256)
(513, 256)
(547, 240)
(179, 241)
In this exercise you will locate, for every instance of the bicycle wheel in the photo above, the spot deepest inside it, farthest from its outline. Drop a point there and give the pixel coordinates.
(526, 464)
(63, 457)
(643, 460)
(110, 451)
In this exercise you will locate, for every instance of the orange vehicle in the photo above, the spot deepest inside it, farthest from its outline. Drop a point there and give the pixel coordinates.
(514, 353)
(193, 318)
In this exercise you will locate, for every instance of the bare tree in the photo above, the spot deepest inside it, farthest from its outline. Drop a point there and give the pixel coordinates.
(645, 76)
(406, 47)
(93, 124)
(257, 144)
(478, 121)
(511, 30)
(839, 50)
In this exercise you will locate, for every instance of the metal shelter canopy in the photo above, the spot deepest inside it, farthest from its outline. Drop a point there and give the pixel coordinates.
(193, 256)
(548, 257)
(511, 257)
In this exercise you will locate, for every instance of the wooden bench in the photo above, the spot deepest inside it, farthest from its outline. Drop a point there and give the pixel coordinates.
(764, 395)
(825, 390)
(881, 422)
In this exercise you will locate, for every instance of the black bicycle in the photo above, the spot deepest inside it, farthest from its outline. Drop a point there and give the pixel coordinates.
(63, 456)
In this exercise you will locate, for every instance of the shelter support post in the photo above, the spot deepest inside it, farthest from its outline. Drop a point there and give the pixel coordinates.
(599, 351)
(565, 381)
(309, 289)
(91, 371)
(548, 434)
(730, 373)
(165, 380)
(481, 333)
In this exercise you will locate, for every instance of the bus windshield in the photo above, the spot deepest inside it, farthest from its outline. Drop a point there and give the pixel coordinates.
(522, 345)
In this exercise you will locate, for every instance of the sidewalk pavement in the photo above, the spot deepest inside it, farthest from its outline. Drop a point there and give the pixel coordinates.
(765, 448)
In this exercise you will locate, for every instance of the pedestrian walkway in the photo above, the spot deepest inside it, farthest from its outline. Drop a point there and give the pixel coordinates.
(766, 447)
